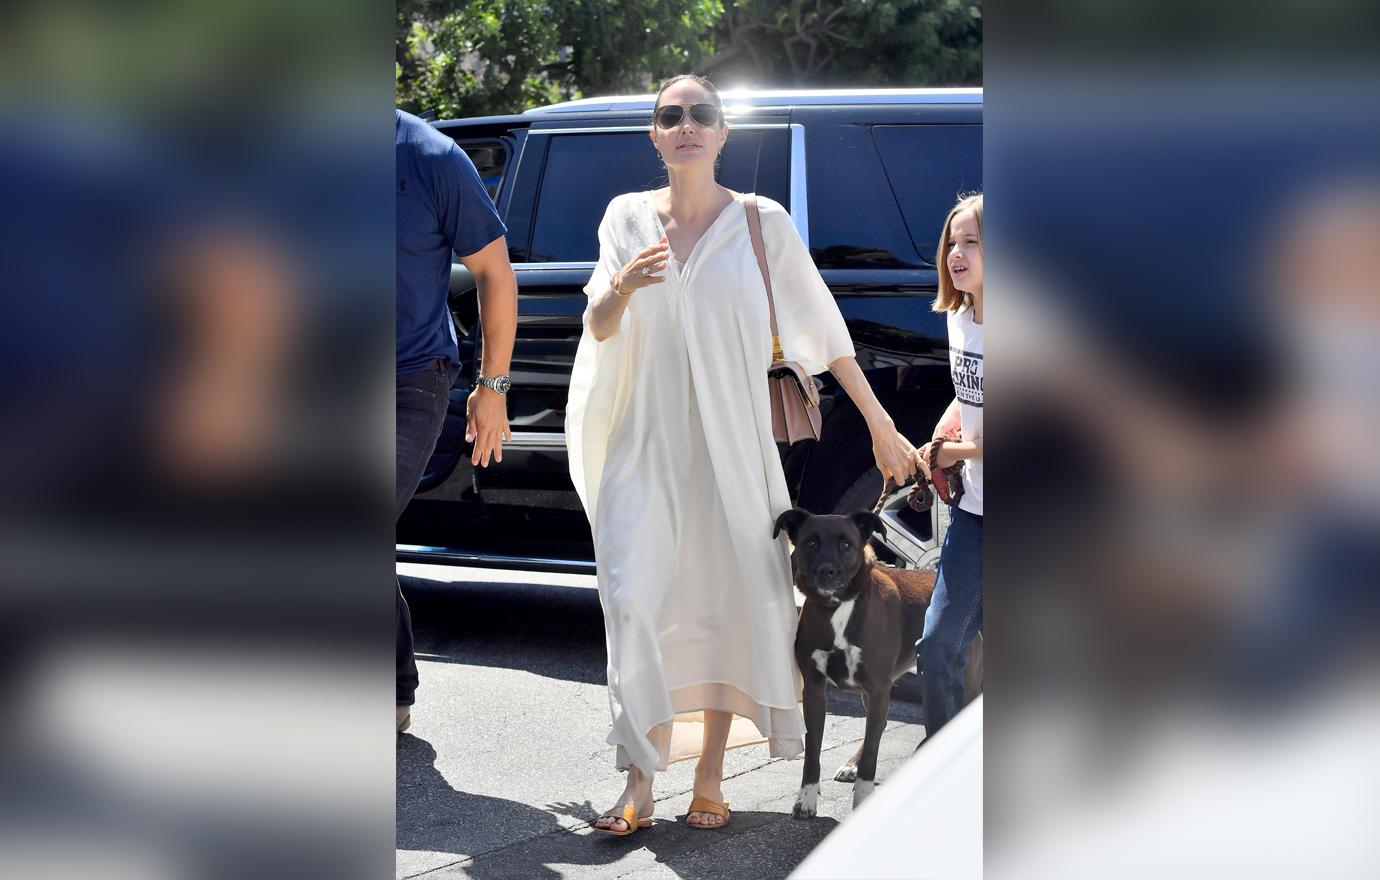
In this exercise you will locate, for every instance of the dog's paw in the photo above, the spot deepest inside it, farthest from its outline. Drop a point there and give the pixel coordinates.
(861, 790)
(806, 803)
(847, 773)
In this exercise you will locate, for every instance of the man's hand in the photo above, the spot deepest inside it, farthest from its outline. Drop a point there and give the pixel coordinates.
(486, 425)
(486, 411)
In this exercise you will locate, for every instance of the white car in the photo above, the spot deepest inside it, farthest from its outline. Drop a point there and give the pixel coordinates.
(924, 821)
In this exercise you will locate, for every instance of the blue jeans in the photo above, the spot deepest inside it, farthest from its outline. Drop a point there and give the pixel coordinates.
(953, 618)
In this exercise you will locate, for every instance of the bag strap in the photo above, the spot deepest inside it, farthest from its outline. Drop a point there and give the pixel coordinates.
(755, 231)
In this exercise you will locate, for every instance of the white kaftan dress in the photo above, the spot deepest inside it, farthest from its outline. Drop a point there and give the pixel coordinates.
(671, 450)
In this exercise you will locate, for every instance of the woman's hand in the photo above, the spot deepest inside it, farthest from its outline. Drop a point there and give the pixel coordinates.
(922, 462)
(641, 270)
(894, 454)
(605, 311)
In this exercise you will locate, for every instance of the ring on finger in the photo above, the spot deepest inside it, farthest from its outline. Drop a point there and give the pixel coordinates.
(646, 271)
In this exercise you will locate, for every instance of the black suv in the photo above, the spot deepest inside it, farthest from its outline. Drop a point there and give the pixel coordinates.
(868, 176)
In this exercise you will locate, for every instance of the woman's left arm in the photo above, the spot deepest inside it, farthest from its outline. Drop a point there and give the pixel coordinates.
(894, 453)
(814, 335)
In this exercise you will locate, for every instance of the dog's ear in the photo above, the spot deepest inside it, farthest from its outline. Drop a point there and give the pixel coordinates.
(791, 521)
(868, 523)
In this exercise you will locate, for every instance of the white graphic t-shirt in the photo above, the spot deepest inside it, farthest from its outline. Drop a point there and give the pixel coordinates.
(965, 366)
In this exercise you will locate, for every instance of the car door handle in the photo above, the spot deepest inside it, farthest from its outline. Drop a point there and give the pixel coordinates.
(461, 280)
(462, 298)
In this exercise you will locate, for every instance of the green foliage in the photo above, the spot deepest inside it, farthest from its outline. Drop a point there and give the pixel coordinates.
(473, 57)
(622, 46)
(818, 43)
(479, 57)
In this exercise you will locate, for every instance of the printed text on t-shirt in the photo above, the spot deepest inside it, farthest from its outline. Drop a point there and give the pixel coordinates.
(966, 370)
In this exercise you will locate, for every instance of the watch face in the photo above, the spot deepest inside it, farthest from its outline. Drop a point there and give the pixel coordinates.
(502, 384)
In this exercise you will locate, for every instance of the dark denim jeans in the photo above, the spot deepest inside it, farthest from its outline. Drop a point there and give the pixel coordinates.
(953, 619)
(422, 401)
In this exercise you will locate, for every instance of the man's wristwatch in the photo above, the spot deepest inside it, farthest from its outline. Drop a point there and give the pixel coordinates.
(501, 384)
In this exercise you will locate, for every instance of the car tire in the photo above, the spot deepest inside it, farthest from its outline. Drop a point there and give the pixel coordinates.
(862, 494)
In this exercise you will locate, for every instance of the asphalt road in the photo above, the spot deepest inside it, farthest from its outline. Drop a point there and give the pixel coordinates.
(505, 766)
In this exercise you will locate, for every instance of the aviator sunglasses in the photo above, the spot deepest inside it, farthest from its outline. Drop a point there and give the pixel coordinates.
(670, 115)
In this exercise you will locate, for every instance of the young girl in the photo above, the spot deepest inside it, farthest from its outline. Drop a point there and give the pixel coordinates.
(955, 613)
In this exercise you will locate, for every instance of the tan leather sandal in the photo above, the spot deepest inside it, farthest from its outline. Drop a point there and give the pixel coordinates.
(629, 817)
(705, 805)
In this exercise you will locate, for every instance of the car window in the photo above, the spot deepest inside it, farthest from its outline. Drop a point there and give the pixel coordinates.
(928, 166)
(854, 220)
(758, 160)
(489, 158)
(585, 171)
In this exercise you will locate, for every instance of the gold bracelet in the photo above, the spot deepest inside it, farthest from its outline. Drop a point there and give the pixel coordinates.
(621, 293)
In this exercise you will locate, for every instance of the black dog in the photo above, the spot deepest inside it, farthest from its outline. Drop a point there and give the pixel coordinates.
(857, 632)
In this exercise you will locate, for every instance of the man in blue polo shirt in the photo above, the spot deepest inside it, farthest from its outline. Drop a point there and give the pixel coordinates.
(443, 208)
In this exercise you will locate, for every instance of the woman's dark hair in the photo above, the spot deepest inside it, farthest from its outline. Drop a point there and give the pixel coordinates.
(708, 87)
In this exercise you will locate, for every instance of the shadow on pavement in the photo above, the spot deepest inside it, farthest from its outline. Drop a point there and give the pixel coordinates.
(551, 631)
(557, 632)
(516, 841)
(446, 820)
(751, 847)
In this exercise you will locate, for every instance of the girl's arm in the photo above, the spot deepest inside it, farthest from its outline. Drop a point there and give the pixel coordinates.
(951, 453)
(949, 422)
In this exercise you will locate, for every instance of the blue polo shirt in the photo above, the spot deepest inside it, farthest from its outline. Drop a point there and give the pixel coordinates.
(442, 207)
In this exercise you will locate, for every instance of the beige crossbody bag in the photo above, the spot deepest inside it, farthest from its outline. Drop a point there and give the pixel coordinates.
(795, 414)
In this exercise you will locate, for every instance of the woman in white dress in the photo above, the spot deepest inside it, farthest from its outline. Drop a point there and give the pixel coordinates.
(671, 450)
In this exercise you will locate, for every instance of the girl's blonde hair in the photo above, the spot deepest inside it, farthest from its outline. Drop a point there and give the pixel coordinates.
(950, 298)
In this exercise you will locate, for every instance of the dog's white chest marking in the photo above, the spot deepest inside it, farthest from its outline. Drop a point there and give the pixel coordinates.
(852, 655)
(839, 621)
(821, 659)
